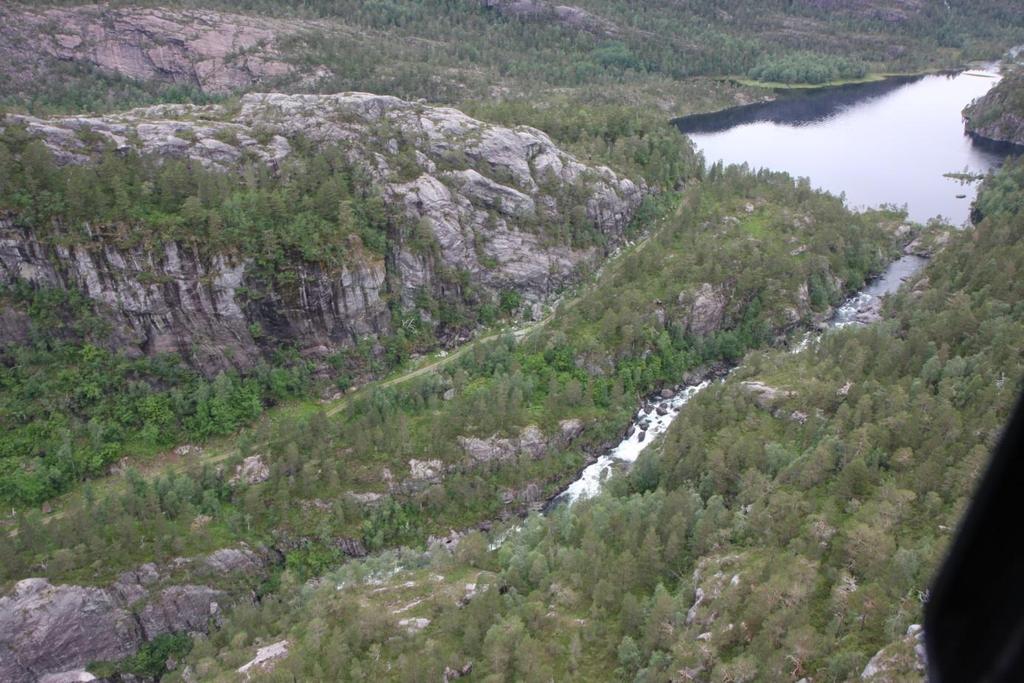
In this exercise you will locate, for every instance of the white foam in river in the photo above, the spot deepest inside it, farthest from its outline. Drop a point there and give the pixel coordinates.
(629, 449)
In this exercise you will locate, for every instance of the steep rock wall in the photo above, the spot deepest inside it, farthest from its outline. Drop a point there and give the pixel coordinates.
(486, 195)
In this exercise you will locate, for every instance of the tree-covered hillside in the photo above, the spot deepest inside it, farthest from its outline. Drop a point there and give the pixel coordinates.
(999, 115)
(310, 309)
(760, 541)
(592, 51)
(776, 255)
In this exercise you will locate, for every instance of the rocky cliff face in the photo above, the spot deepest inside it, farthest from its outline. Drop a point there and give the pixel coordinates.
(173, 300)
(214, 52)
(48, 630)
(999, 114)
(483, 193)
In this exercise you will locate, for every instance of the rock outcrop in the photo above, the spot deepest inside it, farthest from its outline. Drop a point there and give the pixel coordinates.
(902, 660)
(567, 16)
(998, 115)
(265, 659)
(426, 470)
(530, 442)
(704, 309)
(483, 193)
(49, 630)
(214, 52)
(765, 396)
(252, 470)
(174, 300)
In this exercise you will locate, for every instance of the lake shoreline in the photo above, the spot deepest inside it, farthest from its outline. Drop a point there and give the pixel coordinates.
(898, 138)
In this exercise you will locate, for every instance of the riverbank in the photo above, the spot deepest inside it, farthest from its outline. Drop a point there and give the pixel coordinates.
(870, 78)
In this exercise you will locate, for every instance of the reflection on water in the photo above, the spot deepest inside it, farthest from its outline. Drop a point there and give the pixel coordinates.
(801, 107)
(884, 142)
(879, 143)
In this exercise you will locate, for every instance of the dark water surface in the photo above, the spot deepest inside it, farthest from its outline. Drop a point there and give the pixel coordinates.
(888, 142)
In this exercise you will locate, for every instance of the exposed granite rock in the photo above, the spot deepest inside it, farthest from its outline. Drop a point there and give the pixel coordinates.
(352, 547)
(999, 114)
(76, 676)
(193, 306)
(706, 309)
(265, 658)
(925, 246)
(451, 674)
(425, 470)
(252, 470)
(51, 629)
(449, 542)
(368, 498)
(485, 212)
(414, 625)
(712, 576)
(569, 430)
(765, 396)
(234, 560)
(180, 609)
(214, 52)
(902, 660)
(48, 630)
(530, 442)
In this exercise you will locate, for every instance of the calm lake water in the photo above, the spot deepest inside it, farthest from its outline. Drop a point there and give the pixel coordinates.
(880, 143)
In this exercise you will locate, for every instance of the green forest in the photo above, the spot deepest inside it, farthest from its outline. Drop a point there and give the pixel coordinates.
(664, 54)
(832, 526)
(73, 406)
(398, 478)
(590, 363)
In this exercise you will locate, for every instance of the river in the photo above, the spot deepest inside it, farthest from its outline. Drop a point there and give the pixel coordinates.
(883, 143)
(655, 417)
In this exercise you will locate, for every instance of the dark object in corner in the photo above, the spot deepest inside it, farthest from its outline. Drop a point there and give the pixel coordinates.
(974, 619)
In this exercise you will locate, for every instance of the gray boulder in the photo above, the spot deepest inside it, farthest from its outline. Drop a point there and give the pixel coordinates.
(765, 396)
(51, 629)
(252, 470)
(55, 631)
